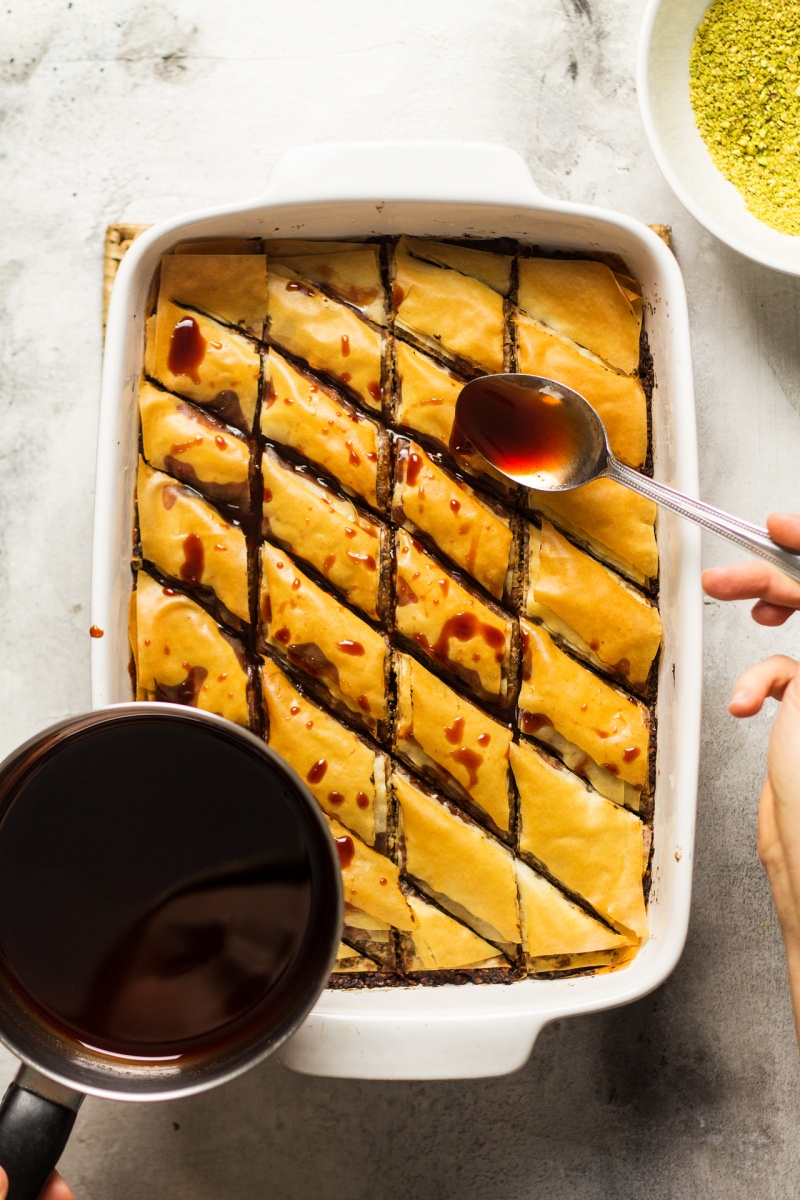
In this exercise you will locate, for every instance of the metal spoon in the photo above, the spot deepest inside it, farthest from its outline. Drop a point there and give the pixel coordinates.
(546, 436)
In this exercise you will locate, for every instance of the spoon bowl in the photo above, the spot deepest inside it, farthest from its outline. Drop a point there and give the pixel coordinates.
(546, 436)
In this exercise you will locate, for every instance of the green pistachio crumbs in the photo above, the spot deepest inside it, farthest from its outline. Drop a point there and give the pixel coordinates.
(744, 75)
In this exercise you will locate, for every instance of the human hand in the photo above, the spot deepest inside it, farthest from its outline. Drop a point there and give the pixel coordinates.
(55, 1188)
(776, 595)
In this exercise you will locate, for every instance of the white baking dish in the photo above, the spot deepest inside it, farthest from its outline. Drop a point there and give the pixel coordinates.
(443, 190)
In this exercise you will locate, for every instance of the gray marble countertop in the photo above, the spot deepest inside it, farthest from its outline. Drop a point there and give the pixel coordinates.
(138, 109)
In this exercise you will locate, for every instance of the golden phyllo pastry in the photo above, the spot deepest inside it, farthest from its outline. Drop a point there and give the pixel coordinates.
(426, 394)
(323, 428)
(453, 314)
(185, 538)
(484, 265)
(191, 445)
(599, 731)
(324, 530)
(230, 287)
(618, 399)
(205, 361)
(560, 936)
(350, 961)
(338, 651)
(599, 616)
(588, 843)
(586, 302)
(452, 743)
(613, 522)
(182, 656)
(458, 865)
(449, 624)
(374, 904)
(326, 335)
(439, 943)
(475, 535)
(345, 774)
(350, 271)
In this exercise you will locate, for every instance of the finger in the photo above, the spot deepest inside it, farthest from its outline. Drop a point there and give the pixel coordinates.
(766, 679)
(769, 614)
(3, 1184)
(56, 1188)
(752, 581)
(785, 529)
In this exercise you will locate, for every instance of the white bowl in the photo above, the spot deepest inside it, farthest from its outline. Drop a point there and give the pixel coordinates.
(662, 82)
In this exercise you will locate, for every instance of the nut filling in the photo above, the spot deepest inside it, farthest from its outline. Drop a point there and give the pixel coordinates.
(464, 675)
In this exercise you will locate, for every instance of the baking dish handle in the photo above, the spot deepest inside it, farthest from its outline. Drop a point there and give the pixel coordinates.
(473, 172)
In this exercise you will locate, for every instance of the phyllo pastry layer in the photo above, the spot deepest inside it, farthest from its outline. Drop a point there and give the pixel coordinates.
(560, 936)
(452, 743)
(194, 447)
(323, 428)
(586, 302)
(230, 287)
(618, 399)
(599, 731)
(205, 361)
(375, 907)
(328, 532)
(588, 843)
(452, 314)
(459, 632)
(599, 616)
(338, 651)
(439, 943)
(610, 520)
(185, 538)
(350, 271)
(326, 335)
(475, 535)
(345, 774)
(458, 865)
(484, 265)
(183, 657)
(350, 961)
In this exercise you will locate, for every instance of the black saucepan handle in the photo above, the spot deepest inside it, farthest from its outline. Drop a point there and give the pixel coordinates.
(33, 1133)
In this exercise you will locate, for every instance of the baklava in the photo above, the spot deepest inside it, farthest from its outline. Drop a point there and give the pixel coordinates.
(462, 672)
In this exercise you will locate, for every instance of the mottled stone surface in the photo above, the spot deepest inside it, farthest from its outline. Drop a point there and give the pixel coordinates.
(131, 110)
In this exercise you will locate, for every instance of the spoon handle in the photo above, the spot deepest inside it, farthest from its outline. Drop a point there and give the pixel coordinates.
(750, 537)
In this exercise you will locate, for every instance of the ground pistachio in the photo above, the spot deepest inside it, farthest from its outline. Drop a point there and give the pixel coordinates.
(744, 77)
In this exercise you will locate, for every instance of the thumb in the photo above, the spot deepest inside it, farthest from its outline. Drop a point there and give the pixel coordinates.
(3, 1184)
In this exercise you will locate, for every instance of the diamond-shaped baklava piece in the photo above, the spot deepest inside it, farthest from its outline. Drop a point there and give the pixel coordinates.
(475, 535)
(600, 617)
(585, 302)
(452, 743)
(560, 936)
(324, 530)
(205, 361)
(350, 271)
(195, 448)
(487, 266)
(326, 335)
(324, 428)
(345, 774)
(608, 519)
(342, 655)
(230, 287)
(599, 731)
(618, 399)
(374, 904)
(459, 632)
(586, 842)
(457, 864)
(185, 538)
(439, 943)
(182, 656)
(452, 314)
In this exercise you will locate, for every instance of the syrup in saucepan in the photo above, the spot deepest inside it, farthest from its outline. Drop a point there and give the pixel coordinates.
(155, 890)
(528, 434)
